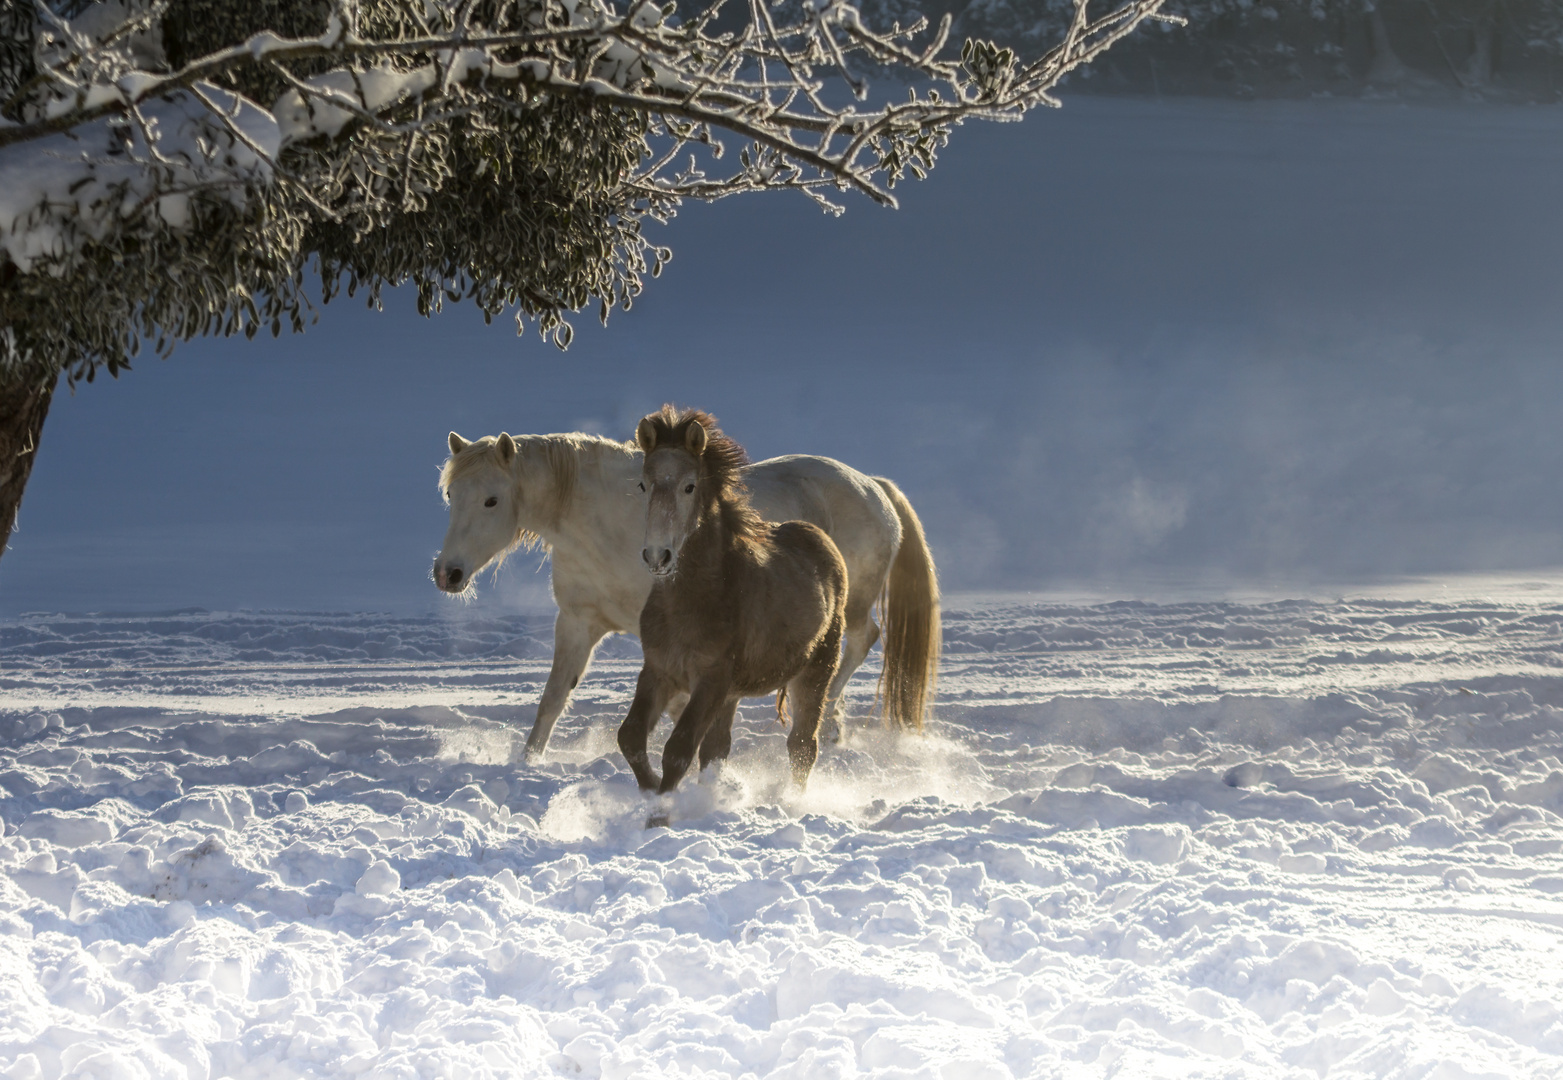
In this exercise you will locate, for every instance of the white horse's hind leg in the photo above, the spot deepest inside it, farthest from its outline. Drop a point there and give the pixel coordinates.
(574, 640)
(861, 633)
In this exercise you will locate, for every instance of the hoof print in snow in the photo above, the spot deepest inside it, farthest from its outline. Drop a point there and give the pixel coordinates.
(1246, 775)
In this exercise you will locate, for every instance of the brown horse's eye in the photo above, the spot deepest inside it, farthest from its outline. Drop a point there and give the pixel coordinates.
(689, 489)
(491, 501)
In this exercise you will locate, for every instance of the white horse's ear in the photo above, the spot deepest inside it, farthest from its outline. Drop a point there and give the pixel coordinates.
(646, 435)
(457, 443)
(695, 439)
(507, 447)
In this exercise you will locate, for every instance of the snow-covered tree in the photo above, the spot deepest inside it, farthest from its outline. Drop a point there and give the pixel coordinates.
(170, 168)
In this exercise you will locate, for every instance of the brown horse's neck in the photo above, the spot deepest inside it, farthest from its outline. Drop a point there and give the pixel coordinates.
(724, 525)
(712, 536)
(729, 503)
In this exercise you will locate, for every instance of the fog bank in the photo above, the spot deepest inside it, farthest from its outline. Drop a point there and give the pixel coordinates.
(1126, 341)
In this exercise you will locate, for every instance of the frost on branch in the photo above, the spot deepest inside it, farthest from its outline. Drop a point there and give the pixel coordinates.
(184, 160)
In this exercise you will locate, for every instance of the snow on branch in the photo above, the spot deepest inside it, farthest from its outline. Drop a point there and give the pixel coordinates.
(105, 114)
(173, 168)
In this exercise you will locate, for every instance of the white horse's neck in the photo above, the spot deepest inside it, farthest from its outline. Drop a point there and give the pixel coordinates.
(571, 487)
(580, 495)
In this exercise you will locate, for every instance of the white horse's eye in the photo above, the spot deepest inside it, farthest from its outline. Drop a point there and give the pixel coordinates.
(689, 489)
(491, 501)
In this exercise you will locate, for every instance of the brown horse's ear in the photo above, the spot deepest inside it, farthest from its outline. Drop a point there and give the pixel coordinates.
(507, 447)
(457, 443)
(646, 435)
(695, 439)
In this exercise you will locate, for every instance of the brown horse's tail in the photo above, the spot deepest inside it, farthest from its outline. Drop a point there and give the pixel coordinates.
(909, 609)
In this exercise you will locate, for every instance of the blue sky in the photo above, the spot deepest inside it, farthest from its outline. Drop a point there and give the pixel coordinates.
(1125, 341)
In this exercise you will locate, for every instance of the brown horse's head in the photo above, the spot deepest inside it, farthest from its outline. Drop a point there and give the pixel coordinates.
(690, 467)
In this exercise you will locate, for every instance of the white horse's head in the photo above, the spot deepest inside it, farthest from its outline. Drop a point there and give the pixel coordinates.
(480, 484)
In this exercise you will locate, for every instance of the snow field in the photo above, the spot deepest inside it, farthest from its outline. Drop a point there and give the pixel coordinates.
(1201, 839)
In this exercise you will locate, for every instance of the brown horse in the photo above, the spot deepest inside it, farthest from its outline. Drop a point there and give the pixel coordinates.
(738, 607)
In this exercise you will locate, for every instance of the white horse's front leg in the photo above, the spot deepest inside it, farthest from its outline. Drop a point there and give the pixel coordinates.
(574, 640)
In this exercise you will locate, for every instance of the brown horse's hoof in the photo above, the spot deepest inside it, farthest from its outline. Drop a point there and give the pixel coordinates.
(657, 821)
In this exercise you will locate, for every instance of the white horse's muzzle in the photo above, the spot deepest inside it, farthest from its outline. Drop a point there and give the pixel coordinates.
(451, 579)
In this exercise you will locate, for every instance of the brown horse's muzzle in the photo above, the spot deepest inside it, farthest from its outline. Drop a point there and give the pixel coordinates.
(659, 561)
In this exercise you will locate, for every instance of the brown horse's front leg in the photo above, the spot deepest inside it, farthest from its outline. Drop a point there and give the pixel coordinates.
(718, 742)
(706, 705)
(651, 695)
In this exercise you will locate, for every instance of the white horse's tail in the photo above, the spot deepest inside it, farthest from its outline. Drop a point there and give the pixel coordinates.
(909, 609)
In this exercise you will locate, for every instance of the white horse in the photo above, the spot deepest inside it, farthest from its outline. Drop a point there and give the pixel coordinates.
(580, 496)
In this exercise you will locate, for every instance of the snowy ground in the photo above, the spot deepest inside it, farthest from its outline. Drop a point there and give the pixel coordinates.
(1299, 838)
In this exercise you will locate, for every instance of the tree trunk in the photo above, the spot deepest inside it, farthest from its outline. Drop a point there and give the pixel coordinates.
(1386, 68)
(24, 402)
(1478, 68)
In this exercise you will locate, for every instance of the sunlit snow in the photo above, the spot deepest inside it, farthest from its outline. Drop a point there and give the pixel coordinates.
(1263, 839)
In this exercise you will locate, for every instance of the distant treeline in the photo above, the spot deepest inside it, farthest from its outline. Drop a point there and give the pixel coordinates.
(1505, 49)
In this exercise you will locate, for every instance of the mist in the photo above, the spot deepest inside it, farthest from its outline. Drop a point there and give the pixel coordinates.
(1127, 343)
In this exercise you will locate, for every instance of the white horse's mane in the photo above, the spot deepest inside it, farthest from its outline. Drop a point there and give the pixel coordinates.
(559, 456)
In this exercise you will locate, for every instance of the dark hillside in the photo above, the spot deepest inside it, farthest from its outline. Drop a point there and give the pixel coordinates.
(1294, 48)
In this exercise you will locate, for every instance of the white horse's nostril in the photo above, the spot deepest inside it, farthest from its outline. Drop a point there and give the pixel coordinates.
(645, 556)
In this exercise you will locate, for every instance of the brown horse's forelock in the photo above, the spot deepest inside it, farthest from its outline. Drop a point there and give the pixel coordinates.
(721, 463)
(723, 460)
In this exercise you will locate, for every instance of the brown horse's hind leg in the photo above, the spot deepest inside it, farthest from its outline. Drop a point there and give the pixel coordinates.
(807, 693)
(651, 695)
(707, 704)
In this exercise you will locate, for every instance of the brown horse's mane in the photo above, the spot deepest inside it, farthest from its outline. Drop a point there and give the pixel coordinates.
(721, 463)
